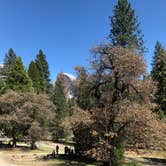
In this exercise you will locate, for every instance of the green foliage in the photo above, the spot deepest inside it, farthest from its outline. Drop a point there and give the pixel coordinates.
(83, 98)
(44, 72)
(62, 109)
(9, 61)
(18, 78)
(125, 29)
(83, 140)
(159, 75)
(60, 100)
(71, 104)
(2, 87)
(160, 112)
(119, 152)
(33, 73)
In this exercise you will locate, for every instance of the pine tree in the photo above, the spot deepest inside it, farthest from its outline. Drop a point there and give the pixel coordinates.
(62, 108)
(159, 75)
(18, 78)
(125, 30)
(9, 60)
(81, 88)
(44, 72)
(33, 73)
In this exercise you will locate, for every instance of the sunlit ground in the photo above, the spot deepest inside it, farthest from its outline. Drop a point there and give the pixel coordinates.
(27, 157)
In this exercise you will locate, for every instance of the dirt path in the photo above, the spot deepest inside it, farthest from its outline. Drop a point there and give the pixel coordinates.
(3, 162)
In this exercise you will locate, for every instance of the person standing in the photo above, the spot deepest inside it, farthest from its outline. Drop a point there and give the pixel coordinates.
(57, 149)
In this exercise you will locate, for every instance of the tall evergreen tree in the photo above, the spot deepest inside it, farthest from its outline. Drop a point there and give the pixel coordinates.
(125, 30)
(44, 72)
(9, 60)
(62, 109)
(159, 74)
(83, 100)
(33, 73)
(18, 78)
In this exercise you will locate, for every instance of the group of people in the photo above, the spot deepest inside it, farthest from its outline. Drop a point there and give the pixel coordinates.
(67, 151)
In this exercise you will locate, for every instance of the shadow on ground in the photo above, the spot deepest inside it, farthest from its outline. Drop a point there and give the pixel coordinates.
(73, 161)
(156, 161)
(148, 161)
(67, 163)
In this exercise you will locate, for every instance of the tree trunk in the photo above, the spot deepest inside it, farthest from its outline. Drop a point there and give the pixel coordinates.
(106, 163)
(33, 145)
(110, 162)
(14, 142)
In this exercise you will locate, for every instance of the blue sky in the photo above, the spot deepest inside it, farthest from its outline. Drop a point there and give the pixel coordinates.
(67, 29)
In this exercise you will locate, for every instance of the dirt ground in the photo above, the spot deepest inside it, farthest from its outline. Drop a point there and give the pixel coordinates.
(27, 157)
(3, 162)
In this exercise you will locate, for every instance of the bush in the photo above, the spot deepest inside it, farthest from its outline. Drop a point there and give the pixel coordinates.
(119, 152)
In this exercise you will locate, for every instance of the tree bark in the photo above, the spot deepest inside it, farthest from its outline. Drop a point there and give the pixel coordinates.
(33, 145)
(106, 163)
(14, 142)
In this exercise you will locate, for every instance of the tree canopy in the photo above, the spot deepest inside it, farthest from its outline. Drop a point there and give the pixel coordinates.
(62, 109)
(18, 78)
(44, 73)
(33, 73)
(9, 61)
(24, 115)
(121, 104)
(125, 28)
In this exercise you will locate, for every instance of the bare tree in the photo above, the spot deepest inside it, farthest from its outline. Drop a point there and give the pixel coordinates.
(121, 104)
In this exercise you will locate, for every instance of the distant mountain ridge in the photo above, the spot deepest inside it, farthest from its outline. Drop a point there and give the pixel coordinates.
(2, 77)
(67, 80)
